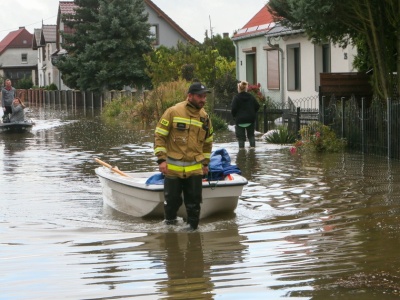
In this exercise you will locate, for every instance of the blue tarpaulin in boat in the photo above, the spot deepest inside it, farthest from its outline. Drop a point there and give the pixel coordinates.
(156, 179)
(220, 165)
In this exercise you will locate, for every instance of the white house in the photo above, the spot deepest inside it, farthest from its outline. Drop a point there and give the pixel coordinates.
(44, 42)
(284, 61)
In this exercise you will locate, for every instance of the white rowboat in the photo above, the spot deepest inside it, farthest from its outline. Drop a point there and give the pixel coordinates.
(128, 192)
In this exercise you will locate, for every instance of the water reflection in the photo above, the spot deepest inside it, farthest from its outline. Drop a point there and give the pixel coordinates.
(247, 162)
(13, 147)
(186, 267)
(173, 263)
(13, 143)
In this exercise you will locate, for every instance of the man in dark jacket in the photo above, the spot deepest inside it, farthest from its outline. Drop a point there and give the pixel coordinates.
(244, 111)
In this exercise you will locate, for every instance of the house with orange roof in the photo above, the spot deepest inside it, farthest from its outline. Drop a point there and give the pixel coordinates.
(284, 61)
(17, 58)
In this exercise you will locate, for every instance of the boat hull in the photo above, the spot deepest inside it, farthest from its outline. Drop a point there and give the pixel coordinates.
(132, 196)
(16, 127)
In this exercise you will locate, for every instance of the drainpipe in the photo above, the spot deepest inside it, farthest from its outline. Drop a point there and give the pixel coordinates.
(237, 59)
(282, 85)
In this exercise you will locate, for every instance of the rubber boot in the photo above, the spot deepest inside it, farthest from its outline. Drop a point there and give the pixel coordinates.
(193, 217)
(252, 141)
(173, 199)
(192, 193)
(241, 144)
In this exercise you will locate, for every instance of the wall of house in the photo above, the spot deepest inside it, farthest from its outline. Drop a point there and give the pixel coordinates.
(261, 60)
(47, 73)
(342, 59)
(168, 36)
(307, 67)
(11, 61)
(12, 57)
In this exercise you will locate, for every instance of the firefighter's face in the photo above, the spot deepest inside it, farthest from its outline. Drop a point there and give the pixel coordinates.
(198, 100)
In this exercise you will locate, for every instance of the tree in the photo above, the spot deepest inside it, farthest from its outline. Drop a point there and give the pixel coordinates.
(187, 61)
(224, 45)
(373, 24)
(107, 47)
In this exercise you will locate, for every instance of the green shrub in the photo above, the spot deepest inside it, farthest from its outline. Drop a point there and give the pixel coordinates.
(281, 135)
(146, 109)
(225, 89)
(24, 83)
(51, 87)
(317, 137)
(166, 95)
(218, 123)
(119, 110)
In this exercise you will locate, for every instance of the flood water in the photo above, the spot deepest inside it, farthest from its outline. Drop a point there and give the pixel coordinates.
(318, 227)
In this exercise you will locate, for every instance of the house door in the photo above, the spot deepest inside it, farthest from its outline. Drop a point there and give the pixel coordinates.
(251, 76)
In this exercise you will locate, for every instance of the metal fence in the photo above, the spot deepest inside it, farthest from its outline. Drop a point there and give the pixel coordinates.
(293, 113)
(372, 128)
(71, 98)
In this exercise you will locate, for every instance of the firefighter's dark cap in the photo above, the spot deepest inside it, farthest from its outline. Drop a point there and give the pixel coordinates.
(198, 88)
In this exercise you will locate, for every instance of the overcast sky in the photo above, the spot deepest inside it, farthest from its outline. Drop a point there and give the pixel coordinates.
(193, 16)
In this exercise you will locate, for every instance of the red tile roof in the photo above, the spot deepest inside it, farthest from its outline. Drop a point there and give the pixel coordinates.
(67, 7)
(261, 23)
(20, 38)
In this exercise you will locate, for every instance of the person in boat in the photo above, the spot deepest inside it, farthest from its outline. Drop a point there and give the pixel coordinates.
(7, 97)
(244, 110)
(17, 111)
(183, 143)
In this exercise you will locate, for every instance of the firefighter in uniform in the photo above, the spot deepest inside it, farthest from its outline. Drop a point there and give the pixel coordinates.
(183, 143)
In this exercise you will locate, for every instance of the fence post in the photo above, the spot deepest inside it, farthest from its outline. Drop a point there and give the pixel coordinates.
(265, 118)
(323, 110)
(298, 120)
(389, 127)
(91, 97)
(342, 117)
(363, 125)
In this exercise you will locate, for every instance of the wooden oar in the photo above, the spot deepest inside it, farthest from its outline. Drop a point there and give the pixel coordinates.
(114, 169)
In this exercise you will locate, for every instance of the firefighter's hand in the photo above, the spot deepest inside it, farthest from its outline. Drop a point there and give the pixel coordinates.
(163, 167)
(205, 170)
